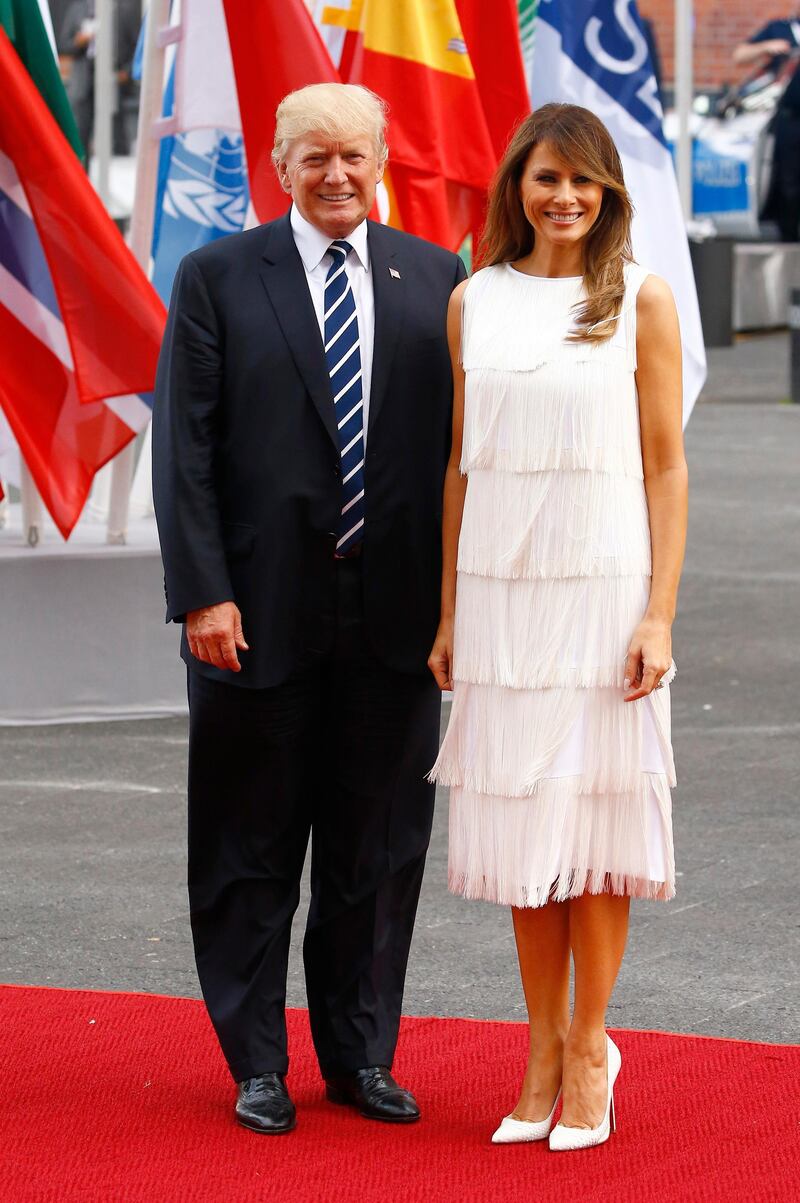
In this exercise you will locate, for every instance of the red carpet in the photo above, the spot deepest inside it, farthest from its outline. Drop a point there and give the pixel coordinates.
(124, 1098)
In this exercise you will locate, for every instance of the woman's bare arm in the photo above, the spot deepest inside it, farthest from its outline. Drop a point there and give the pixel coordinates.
(658, 381)
(440, 660)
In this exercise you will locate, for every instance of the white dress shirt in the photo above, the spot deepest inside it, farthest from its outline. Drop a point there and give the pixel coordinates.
(313, 247)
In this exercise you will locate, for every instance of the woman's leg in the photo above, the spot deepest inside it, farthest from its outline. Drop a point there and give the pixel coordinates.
(542, 935)
(598, 926)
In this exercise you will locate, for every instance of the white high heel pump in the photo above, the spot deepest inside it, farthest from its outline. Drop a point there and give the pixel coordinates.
(563, 1138)
(519, 1131)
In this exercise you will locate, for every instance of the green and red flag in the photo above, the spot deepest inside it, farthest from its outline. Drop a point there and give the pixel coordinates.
(22, 21)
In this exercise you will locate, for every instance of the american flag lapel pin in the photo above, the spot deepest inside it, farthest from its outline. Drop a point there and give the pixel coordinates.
(394, 273)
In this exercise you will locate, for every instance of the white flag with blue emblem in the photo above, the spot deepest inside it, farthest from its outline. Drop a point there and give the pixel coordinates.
(203, 190)
(594, 53)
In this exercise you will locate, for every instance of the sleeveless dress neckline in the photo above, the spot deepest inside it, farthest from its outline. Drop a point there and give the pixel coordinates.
(557, 786)
(547, 279)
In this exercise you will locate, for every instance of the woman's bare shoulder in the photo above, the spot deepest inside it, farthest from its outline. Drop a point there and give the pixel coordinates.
(457, 297)
(655, 296)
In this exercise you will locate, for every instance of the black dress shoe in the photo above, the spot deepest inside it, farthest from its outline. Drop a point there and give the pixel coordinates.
(263, 1105)
(375, 1094)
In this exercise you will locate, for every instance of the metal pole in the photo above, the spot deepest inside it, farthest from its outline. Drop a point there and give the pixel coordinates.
(32, 508)
(140, 235)
(794, 345)
(684, 97)
(105, 90)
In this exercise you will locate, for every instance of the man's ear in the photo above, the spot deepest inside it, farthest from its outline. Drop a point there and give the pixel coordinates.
(380, 171)
(283, 178)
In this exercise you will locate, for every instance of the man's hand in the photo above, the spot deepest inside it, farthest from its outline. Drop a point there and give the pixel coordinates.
(214, 634)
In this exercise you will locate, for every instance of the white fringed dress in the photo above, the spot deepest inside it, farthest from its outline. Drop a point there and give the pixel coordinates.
(556, 785)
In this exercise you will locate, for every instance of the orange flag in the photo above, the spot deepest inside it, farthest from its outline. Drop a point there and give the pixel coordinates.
(441, 159)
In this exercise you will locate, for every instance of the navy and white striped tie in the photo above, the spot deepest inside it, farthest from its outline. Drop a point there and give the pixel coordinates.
(343, 357)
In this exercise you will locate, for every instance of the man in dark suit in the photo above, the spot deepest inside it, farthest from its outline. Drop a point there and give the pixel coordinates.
(300, 434)
(77, 31)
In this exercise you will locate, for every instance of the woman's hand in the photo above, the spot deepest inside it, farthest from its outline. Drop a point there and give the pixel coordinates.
(649, 657)
(440, 661)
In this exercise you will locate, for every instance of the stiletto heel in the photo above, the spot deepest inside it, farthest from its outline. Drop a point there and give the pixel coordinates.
(563, 1138)
(520, 1131)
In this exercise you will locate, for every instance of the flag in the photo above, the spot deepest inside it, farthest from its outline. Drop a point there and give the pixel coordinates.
(24, 24)
(526, 12)
(413, 54)
(594, 53)
(202, 192)
(80, 327)
(492, 34)
(276, 49)
(203, 196)
(105, 301)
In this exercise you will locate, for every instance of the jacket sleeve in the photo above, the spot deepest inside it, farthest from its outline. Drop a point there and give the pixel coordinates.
(461, 271)
(186, 420)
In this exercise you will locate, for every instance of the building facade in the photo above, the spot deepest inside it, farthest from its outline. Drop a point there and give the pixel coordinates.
(719, 26)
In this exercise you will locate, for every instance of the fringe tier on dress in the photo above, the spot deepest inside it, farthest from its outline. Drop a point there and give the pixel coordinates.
(556, 785)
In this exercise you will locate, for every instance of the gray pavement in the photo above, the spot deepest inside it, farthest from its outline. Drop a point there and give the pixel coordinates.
(754, 369)
(92, 816)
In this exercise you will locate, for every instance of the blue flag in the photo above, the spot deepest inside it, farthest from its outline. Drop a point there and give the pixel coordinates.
(202, 191)
(594, 53)
(203, 194)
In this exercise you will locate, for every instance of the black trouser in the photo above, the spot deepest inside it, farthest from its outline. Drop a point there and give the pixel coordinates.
(787, 173)
(340, 750)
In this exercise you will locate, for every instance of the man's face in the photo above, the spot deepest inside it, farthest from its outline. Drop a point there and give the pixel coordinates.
(332, 183)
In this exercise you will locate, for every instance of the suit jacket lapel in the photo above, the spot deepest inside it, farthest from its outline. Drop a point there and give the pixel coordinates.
(390, 299)
(284, 278)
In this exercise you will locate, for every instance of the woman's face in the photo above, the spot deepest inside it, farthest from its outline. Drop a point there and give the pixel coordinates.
(561, 204)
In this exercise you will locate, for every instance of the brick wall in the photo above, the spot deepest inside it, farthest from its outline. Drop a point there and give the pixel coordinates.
(719, 26)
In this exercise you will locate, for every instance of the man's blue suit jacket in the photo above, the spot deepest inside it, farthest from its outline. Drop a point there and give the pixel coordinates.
(246, 475)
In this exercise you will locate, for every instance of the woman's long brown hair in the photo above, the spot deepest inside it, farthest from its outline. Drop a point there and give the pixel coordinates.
(578, 137)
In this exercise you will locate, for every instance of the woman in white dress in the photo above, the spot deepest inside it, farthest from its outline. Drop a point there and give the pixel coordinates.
(564, 529)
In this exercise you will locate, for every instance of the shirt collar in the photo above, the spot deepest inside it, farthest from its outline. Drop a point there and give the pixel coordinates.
(313, 244)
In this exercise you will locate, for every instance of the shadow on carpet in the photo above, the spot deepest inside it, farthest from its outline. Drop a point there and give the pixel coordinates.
(125, 1097)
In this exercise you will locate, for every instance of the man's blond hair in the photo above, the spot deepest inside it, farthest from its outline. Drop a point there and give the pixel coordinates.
(339, 111)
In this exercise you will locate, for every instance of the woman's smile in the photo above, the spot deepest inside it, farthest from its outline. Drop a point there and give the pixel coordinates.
(564, 219)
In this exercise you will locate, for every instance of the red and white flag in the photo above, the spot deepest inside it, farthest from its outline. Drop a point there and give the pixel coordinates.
(80, 326)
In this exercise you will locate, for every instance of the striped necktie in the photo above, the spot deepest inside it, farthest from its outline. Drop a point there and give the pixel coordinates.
(343, 357)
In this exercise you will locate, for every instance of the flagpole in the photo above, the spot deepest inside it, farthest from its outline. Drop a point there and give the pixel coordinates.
(684, 98)
(140, 235)
(32, 508)
(103, 96)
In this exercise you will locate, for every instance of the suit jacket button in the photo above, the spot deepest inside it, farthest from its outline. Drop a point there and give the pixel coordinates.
(337, 471)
